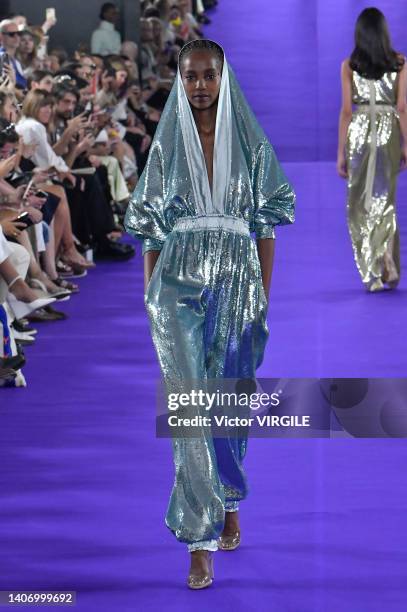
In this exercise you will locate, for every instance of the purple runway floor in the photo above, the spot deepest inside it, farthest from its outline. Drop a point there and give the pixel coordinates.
(85, 484)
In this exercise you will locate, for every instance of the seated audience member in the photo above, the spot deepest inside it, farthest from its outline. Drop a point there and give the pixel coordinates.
(10, 41)
(41, 79)
(85, 123)
(27, 52)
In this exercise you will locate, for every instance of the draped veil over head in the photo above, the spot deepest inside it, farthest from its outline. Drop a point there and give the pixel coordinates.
(175, 181)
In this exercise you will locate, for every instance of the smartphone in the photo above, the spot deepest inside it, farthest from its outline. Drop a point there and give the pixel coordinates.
(25, 218)
(20, 178)
(4, 59)
(27, 190)
(50, 14)
(88, 110)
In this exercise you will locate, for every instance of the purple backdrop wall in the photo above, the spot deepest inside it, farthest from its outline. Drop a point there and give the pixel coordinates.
(291, 73)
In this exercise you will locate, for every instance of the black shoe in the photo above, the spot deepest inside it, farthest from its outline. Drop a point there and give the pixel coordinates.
(82, 248)
(46, 314)
(28, 341)
(203, 19)
(57, 314)
(7, 376)
(19, 326)
(16, 362)
(115, 250)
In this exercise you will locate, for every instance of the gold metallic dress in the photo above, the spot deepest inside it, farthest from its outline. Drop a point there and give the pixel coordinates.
(373, 152)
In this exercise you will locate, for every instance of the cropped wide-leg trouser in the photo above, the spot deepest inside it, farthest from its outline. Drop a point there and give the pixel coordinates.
(207, 311)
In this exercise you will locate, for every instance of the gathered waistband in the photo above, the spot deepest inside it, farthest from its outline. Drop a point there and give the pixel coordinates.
(378, 108)
(213, 222)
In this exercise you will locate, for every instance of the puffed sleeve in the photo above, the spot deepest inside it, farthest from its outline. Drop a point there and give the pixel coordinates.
(145, 216)
(274, 197)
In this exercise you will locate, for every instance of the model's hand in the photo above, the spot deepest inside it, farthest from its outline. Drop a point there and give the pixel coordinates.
(341, 166)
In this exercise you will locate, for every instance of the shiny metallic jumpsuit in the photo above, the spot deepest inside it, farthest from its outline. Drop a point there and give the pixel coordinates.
(205, 298)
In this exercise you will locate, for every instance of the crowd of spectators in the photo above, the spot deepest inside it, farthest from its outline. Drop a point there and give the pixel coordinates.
(75, 131)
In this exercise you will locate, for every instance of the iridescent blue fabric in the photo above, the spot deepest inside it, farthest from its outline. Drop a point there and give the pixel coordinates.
(205, 299)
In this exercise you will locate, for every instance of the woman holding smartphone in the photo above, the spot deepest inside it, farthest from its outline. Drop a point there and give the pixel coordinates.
(373, 147)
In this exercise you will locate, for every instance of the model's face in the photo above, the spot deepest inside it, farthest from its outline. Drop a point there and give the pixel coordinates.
(201, 76)
(44, 114)
(66, 106)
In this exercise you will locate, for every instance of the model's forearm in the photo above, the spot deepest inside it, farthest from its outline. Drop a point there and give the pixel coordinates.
(344, 121)
(150, 259)
(265, 249)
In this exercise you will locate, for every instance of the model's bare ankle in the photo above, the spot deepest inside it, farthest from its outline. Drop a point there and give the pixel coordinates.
(199, 560)
(231, 523)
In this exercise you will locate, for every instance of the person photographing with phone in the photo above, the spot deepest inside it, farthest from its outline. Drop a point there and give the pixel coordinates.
(10, 42)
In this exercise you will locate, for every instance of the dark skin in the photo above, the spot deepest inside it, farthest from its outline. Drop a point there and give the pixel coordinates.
(201, 72)
(201, 75)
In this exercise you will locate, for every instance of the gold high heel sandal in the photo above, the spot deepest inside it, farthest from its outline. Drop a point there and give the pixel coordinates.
(229, 542)
(201, 581)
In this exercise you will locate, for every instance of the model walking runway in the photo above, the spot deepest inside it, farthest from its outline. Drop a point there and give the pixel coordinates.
(83, 479)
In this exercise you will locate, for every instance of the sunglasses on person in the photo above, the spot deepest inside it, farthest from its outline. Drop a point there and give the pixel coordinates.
(11, 34)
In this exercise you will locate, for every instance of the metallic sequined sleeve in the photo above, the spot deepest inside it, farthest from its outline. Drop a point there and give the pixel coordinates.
(145, 213)
(273, 195)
